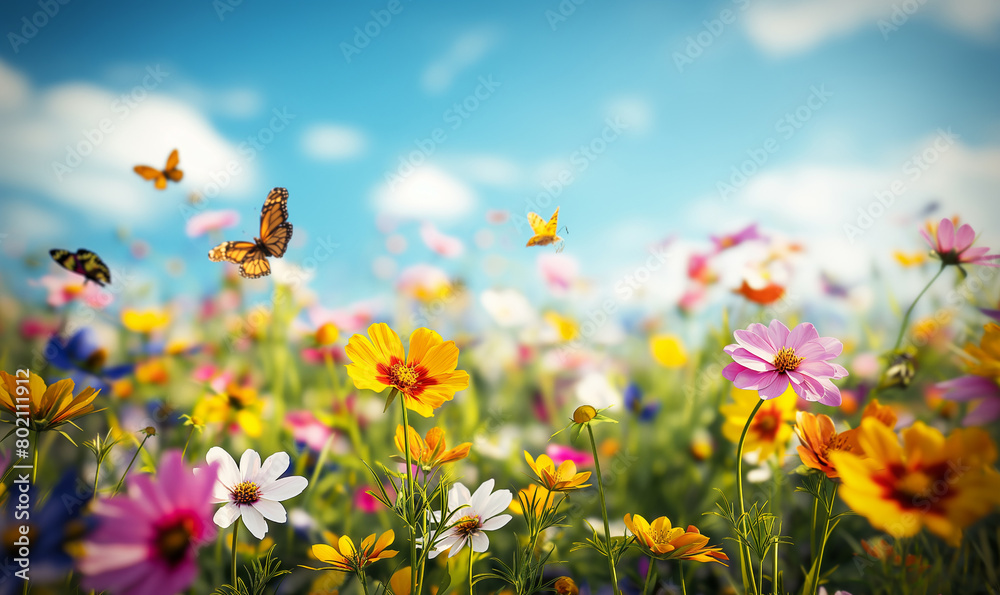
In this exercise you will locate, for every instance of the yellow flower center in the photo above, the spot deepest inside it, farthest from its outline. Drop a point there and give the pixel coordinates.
(403, 376)
(786, 361)
(245, 492)
(468, 525)
(583, 414)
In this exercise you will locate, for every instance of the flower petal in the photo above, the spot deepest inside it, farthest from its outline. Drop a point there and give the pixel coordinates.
(284, 488)
(254, 521)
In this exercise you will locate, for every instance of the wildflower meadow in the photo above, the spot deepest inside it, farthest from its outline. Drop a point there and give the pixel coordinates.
(252, 349)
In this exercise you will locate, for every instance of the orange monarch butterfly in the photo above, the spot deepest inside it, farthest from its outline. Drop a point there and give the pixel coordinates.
(83, 262)
(545, 233)
(275, 232)
(161, 176)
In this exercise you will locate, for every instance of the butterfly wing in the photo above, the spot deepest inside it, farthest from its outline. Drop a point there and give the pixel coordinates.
(553, 224)
(545, 233)
(93, 267)
(255, 265)
(171, 170)
(149, 173)
(537, 223)
(275, 230)
(65, 258)
(234, 252)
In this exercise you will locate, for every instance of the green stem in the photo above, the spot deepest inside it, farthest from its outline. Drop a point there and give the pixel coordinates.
(34, 466)
(604, 510)
(120, 481)
(649, 577)
(97, 476)
(471, 555)
(236, 535)
(188, 441)
(684, 589)
(906, 317)
(745, 563)
(414, 586)
(364, 583)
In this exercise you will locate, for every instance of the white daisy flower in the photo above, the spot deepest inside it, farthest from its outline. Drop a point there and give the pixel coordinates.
(470, 523)
(252, 491)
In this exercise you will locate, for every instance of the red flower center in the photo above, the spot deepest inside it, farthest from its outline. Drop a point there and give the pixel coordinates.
(785, 360)
(468, 525)
(403, 376)
(173, 539)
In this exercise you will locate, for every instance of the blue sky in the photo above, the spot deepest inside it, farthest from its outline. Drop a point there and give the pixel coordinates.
(555, 85)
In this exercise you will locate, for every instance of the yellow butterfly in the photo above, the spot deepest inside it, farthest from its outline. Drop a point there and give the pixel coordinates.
(545, 233)
(161, 176)
(83, 262)
(275, 232)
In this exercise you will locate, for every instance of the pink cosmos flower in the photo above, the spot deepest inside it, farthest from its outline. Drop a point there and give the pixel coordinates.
(559, 271)
(146, 541)
(445, 245)
(559, 453)
(63, 287)
(210, 221)
(767, 358)
(349, 319)
(955, 247)
(735, 239)
(971, 388)
(308, 429)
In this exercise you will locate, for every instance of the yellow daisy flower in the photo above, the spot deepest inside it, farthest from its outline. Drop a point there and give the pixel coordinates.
(425, 379)
(432, 451)
(557, 479)
(770, 430)
(344, 557)
(661, 540)
(145, 321)
(48, 407)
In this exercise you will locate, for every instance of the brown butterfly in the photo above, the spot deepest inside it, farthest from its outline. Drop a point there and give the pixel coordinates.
(170, 172)
(544, 233)
(275, 232)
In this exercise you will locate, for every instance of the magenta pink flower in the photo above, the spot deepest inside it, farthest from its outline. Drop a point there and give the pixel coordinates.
(307, 429)
(445, 245)
(559, 454)
(984, 391)
(955, 247)
(732, 240)
(146, 541)
(768, 358)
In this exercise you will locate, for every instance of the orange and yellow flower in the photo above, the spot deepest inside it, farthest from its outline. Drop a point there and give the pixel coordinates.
(145, 321)
(432, 451)
(565, 585)
(771, 427)
(425, 379)
(818, 437)
(661, 540)
(48, 406)
(535, 497)
(344, 557)
(563, 478)
(944, 484)
(668, 350)
(238, 405)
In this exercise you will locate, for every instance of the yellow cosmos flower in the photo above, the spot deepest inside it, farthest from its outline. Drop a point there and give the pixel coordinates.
(425, 379)
(565, 326)
(534, 498)
(944, 484)
(557, 479)
(344, 557)
(668, 350)
(152, 371)
(238, 405)
(430, 452)
(145, 321)
(48, 407)
(770, 430)
(399, 584)
(661, 540)
(986, 354)
(327, 334)
(910, 259)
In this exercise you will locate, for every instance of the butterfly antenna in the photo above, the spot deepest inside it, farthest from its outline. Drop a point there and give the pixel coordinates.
(566, 229)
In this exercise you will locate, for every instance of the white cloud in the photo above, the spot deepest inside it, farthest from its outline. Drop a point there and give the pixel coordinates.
(25, 225)
(77, 144)
(634, 111)
(13, 88)
(466, 51)
(491, 170)
(427, 193)
(330, 142)
(785, 27)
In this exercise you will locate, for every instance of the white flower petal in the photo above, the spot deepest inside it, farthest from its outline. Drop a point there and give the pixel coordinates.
(249, 464)
(457, 547)
(229, 473)
(284, 488)
(220, 493)
(497, 503)
(254, 521)
(480, 542)
(458, 495)
(272, 468)
(496, 522)
(481, 496)
(271, 510)
(226, 515)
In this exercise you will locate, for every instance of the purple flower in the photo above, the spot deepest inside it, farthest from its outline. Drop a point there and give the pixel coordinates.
(955, 247)
(735, 239)
(768, 358)
(967, 388)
